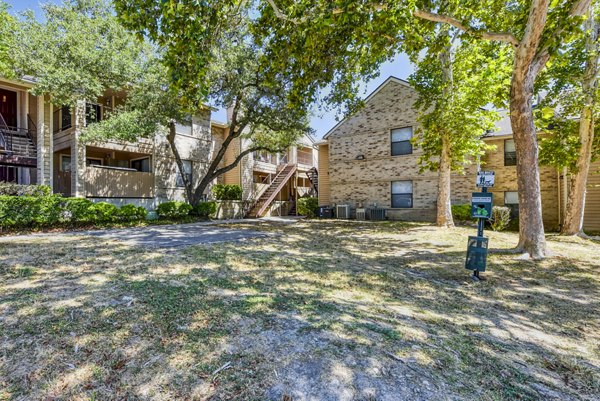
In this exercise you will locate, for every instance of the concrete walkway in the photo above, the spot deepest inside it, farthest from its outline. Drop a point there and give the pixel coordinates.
(163, 237)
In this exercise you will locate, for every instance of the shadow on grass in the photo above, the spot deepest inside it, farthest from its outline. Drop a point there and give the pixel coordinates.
(322, 309)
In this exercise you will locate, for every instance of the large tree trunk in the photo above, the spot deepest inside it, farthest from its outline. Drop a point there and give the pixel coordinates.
(444, 205)
(531, 226)
(573, 223)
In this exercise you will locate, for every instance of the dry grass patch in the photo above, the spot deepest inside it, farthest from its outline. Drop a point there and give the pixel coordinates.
(325, 310)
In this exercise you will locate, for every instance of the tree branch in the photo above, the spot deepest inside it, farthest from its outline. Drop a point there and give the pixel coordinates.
(495, 36)
(279, 14)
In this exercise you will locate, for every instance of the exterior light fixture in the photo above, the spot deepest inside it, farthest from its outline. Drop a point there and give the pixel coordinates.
(360, 157)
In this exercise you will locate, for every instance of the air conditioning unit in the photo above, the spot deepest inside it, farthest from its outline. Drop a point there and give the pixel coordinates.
(342, 211)
(361, 214)
(376, 213)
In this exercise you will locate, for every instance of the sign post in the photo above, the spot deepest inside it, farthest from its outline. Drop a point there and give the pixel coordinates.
(481, 209)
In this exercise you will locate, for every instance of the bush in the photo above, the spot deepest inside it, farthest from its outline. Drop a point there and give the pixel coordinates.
(174, 209)
(78, 211)
(29, 211)
(105, 212)
(227, 192)
(132, 213)
(9, 188)
(500, 218)
(461, 212)
(308, 207)
(206, 209)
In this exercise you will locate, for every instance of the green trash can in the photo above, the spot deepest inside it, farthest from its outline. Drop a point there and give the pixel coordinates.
(477, 249)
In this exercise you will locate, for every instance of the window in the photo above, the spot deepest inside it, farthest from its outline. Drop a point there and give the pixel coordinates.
(510, 153)
(511, 199)
(401, 141)
(187, 167)
(92, 113)
(402, 194)
(93, 162)
(65, 118)
(142, 165)
(65, 163)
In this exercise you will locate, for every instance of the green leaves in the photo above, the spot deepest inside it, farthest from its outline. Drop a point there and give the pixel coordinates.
(78, 52)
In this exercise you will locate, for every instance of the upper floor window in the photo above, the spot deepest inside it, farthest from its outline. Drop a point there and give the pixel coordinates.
(402, 194)
(401, 144)
(142, 165)
(187, 167)
(510, 153)
(93, 113)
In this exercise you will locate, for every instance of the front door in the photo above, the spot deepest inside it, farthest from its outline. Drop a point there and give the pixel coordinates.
(8, 107)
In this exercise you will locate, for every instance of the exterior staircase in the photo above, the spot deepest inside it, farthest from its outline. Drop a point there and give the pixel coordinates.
(269, 195)
(16, 142)
(313, 176)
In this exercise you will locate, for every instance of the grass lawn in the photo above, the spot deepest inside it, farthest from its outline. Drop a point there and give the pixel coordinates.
(321, 310)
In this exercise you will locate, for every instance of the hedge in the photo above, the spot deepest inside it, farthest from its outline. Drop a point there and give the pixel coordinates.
(227, 192)
(173, 209)
(206, 209)
(18, 212)
(308, 207)
(9, 188)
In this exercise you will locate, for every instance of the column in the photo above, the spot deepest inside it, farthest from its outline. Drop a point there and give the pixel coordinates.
(78, 153)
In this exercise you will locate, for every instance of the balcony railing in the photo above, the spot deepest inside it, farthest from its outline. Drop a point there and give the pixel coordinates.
(112, 182)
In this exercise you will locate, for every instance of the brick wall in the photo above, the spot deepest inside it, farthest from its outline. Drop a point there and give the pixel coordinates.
(368, 181)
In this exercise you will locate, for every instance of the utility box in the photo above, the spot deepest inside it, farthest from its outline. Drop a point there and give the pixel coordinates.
(361, 214)
(481, 205)
(326, 212)
(477, 249)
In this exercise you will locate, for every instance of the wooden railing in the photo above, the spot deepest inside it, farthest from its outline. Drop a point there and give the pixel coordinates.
(106, 182)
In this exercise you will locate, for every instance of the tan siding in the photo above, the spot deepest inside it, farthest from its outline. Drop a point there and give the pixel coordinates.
(592, 201)
(110, 183)
(324, 187)
(232, 177)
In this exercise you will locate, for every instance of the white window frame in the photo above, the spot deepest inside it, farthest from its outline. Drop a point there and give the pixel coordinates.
(412, 194)
(392, 142)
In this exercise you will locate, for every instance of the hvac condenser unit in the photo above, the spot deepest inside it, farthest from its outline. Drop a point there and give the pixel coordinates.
(342, 211)
(376, 213)
(361, 214)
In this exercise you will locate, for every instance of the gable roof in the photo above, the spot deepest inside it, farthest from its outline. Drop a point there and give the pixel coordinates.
(391, 78)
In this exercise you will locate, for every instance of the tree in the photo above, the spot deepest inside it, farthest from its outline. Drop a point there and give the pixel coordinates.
(8, 27)
(231, 78)
(572, 83)
(451, 102)
(77, 52)
(334, 42)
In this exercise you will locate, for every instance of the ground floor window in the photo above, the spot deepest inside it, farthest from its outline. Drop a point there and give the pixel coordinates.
(187, 167)
(402, 194)
(511, 200)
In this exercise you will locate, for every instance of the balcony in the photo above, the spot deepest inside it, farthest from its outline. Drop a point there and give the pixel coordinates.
(117, 182)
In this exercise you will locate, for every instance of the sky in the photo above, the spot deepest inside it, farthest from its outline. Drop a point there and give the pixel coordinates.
(400, 67)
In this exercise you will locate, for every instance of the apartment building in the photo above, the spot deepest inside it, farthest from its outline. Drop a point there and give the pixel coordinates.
(368, 160)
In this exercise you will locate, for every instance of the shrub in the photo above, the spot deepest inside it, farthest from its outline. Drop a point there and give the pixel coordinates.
(500, 218)
(78, 210)
(105, 212)
(174, 209)
(227, 192)
(29, 211)
(307, 207)
(461, 212)
(205, 209)
(9, 188)
(132, 213)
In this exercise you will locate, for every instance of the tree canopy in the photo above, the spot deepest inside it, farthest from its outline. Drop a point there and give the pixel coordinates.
(77, 52)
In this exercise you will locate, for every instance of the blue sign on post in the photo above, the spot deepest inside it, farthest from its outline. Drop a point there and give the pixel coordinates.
(481, 205)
